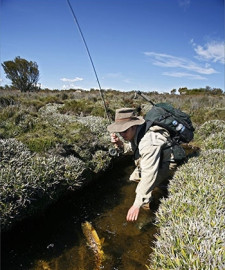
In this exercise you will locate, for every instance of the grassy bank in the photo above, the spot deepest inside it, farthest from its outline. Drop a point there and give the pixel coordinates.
(54, 141)
(44, 156)
(191, 219)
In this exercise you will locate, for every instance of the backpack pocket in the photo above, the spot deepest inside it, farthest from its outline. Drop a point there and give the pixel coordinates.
(178, 152)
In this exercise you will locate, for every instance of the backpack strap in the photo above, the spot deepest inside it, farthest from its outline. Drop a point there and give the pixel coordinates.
(143, 130)
(141, 134)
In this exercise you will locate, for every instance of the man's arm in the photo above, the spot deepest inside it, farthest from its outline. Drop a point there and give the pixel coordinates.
(150, 151)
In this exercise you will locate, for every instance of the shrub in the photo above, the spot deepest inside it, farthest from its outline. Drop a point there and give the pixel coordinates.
(77, 107)
(29, 183)
(16, 121)
(211, 135)
(192, 220)
(6, 101)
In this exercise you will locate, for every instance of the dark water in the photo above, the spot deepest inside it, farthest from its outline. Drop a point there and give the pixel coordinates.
(55, 240)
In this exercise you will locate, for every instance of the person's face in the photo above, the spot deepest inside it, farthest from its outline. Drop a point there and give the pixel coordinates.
(129, 134)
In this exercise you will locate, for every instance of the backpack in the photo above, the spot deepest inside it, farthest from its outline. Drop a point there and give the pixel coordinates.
(176, 122)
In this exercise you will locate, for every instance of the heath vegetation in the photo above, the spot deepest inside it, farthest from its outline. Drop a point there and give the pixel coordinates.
(191, 219)
(55, 141)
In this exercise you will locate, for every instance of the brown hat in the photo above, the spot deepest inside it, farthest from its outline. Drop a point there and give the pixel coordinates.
(124, 119)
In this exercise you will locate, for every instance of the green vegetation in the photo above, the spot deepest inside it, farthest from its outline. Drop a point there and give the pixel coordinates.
(55, 141)
(47, 149)
(45, 163)
(199, 91)
(31, 182)
(211, 135)
(191, 219)
(23, 74)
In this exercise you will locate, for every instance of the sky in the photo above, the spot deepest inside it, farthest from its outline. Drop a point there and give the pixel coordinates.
(147, 45)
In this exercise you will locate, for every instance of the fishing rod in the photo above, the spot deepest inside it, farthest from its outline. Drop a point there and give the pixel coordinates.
(90, 58)
(143, 96)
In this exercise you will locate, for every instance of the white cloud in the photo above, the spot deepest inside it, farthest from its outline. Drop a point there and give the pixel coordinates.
(166, 60)
(72, 80)
(184, 3)
(213, 51)
(69, 86)
(184, 74)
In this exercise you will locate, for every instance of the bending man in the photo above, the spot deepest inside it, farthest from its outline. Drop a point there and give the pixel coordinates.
(152, 153)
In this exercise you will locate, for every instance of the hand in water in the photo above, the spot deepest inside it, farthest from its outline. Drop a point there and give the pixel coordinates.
(133, 213)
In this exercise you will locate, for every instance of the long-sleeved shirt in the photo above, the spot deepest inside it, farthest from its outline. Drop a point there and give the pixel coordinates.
(152, 157)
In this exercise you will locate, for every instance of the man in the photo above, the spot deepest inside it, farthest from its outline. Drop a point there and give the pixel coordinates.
(153, 155)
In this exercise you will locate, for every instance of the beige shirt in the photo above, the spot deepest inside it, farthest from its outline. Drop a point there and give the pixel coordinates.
(152, 159)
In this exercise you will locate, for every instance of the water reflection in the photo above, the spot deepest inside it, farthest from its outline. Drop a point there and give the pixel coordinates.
(55, 240)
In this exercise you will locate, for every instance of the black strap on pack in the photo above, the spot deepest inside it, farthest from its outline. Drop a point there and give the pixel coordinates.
(143, 130)
(141, 133)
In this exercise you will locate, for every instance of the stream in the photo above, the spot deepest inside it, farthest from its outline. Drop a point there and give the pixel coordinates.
(55, 240)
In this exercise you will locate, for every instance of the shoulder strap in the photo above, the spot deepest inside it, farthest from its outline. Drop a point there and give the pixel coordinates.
(143, 130)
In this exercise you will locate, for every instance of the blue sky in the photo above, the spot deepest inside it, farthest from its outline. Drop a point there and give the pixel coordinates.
(147, 45)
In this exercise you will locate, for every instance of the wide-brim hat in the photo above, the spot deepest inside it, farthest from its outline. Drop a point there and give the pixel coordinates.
(124, 119)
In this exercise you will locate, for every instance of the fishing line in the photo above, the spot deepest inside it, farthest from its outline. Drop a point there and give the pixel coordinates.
(90, 58)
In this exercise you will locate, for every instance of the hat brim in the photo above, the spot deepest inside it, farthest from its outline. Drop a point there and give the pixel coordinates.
(122, 126)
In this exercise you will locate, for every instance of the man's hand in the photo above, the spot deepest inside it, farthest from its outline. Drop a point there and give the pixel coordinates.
(116, 140)
(133, 213)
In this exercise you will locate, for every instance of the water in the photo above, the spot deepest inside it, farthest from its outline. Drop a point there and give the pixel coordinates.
(55, 240)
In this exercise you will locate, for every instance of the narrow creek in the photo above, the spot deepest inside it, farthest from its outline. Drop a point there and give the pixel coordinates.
(55, 240)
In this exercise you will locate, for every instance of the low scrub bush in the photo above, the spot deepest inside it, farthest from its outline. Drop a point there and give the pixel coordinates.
(191, 219)
(29, 183)
(211, 135)
(15, 120)
(59, 152)
(77, 107)
(6, 101)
